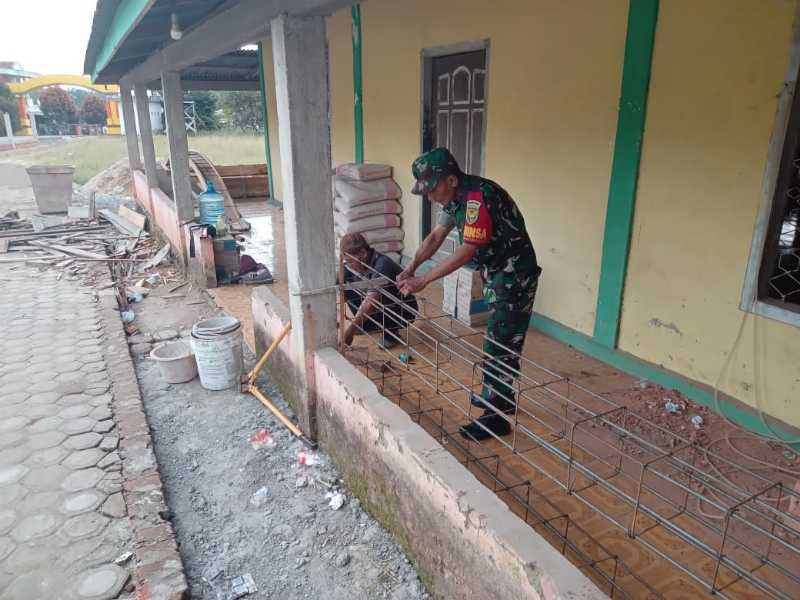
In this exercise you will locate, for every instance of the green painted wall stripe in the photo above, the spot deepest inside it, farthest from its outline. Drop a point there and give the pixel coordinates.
(264, 107)
(126, 17)
(633, 366)
(358, 102)
(642, 17)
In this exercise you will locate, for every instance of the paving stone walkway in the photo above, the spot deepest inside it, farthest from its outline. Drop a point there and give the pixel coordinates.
(62, 515)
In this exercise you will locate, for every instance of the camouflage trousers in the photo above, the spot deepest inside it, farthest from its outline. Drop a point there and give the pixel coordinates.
(510, 297)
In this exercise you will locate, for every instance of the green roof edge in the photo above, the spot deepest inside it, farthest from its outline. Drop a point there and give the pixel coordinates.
(126, 17)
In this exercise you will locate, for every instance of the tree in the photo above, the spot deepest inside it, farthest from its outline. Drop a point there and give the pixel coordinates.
(242, 110)
(205, 108)
(57, 107)
(78, 95)
(93, 111)
(8, 104)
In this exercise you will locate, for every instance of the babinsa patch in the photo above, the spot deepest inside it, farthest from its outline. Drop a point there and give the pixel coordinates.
(473, 210)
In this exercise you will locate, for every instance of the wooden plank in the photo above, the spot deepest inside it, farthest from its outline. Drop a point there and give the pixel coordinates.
(68, 249)
(156, 260)
(30, 233)
(132, 216)
(122, 225)
(241, 170)
(27, 259)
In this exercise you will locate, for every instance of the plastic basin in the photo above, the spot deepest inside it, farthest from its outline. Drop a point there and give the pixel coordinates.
(176, 361)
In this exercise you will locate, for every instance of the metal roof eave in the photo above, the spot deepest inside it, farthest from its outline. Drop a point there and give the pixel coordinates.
(113, 21)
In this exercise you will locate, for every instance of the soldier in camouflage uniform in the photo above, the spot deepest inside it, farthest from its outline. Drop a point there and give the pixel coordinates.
(492, 233)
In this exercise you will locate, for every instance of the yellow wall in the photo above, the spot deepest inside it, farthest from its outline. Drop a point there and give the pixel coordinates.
(341, 89)
(553, 75)
(554, 79)
(272, 114)
(717, 68)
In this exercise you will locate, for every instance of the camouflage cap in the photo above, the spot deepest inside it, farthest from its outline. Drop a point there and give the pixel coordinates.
(430, 167)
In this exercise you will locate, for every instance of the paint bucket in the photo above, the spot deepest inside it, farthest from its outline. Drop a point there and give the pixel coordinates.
(175, 360)
(217, 346)
(52, 187)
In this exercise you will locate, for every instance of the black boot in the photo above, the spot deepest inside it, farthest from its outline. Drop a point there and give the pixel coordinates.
(501, 404)
(483, 427)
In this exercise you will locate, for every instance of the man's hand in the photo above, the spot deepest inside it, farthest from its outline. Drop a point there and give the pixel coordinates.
(407, 272)
(412, 285)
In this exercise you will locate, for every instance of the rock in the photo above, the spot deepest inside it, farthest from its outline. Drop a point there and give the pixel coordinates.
(343, 559)
(140, 338)
(371, 534)
(162, 335)
(283, 531)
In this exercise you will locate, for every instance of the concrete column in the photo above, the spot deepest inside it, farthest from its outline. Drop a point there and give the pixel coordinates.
(146, 133)
(178, 145)
(301, 88)
(129, 120)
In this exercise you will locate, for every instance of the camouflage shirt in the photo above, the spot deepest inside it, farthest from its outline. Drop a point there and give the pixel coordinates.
(485, 215)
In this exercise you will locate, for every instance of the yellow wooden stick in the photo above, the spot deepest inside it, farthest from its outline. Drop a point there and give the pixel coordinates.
(251, 376)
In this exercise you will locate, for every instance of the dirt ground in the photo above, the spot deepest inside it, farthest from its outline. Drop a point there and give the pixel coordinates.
(290, 540)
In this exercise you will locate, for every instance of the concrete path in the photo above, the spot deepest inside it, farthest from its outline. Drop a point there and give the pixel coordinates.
(62, 515)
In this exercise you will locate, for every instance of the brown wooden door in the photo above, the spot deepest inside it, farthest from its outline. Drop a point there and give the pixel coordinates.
(456, 117)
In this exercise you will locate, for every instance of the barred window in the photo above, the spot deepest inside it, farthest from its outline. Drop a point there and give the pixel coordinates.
(779, 275)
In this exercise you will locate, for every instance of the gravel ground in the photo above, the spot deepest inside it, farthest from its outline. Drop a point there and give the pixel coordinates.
(292, 542)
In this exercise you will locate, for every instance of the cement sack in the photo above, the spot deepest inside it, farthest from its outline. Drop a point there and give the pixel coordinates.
(354, 193)
(384, 247)
(377, 236)
(364, 171)
(382, 207)
(345, 225)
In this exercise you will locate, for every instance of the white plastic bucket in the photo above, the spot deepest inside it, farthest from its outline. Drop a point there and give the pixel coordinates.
(176, 361)
(217, 346)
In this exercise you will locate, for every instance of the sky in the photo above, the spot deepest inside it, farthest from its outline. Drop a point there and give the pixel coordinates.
(46, 36)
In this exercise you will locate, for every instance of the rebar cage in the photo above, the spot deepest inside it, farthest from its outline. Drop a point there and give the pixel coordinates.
(584, 471)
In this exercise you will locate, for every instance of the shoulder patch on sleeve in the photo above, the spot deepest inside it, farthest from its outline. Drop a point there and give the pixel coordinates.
(477, 221)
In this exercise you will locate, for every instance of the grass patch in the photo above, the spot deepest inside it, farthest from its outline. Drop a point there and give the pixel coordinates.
(91, 155)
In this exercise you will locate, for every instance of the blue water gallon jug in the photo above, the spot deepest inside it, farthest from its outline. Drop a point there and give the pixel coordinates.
(212, 205)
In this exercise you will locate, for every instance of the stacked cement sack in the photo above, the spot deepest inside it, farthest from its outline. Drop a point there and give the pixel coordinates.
(367, 201)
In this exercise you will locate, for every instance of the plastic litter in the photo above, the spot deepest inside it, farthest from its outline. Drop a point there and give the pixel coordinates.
(405, 358)
(262, 439)
(259, 497)
(123, 558)
(134, 295)
(238, 587)
(127, 316)
(672, 408)
(336, 500)
(697, 421)
(154, 278)
(309, 459)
